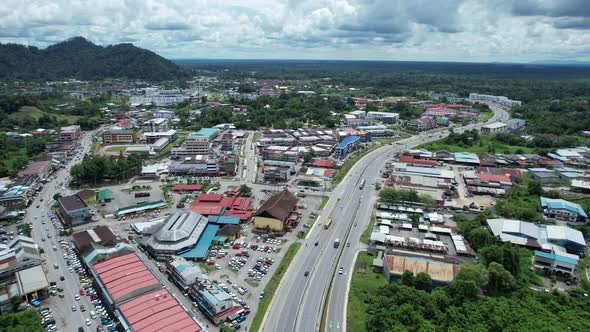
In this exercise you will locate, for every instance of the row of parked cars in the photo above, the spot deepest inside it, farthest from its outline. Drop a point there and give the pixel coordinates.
(260, 268)
(47, 320)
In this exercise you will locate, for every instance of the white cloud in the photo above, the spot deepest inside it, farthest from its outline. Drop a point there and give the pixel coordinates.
(452, 30)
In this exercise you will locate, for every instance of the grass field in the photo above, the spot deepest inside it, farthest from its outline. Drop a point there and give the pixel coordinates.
(362, 286)
(367, 232)
(486, 145)
(33, 112)
(272, 286)
(485, 116)
(120, 148)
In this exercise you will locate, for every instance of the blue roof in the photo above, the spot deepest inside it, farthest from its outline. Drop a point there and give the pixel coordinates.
(466, 157)
(207, 132)
(556, 257)
(561, 204)
(220, 238)
(200, 250)
(224, 220)
(347, 140)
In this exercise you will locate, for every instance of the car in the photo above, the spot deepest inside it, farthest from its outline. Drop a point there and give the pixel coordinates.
(316, 244)
(62, 278)
(82, 291)
(88, 322)
(306, 273)
(261, 295)
(77, 297)
(73, 308)
(341, 270)
(348, 244)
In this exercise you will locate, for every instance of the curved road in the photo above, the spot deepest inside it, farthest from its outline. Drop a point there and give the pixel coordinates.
(298, 303)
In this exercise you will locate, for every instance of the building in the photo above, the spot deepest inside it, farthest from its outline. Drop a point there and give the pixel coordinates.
(68, 133)
(183, 273)
(156, 125)
(119, 136)
(227, 141)
(158, 97)
(278, 213)
(19, 191)
(543, 175)
(348, 144)
(192, 145)
(209, 133)
(102, 235)
(152, 137)
(493, 128)
(559, 263)
(515, 124)
(40, 168)
(164, 114)
(179, 233)
(383, 117)
(560, 209)
(21, 272)
(73, 210)
(197, 165)
(441, 272)
(422, 123)
(504, 101)
(581, 186)
(213, 301)
(139, 207)
(538, 237)
(104, 196)
(276, 174)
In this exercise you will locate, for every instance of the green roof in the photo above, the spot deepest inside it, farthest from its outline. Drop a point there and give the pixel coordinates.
(140, 206)
(105, 195)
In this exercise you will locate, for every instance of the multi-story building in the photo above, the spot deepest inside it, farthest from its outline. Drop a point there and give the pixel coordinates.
(383, 117)
(19, 191)
(119, 136)
(164, 114)
(68, 133)
(159, 97)
(281, 153)
(276, 173)
(192, 145)
(183, 273)
(348, 144)
(504, 101)
(423, 123)
(152, 137)
(156, 125)
(213, 301)
(493, 128)
(516, 124)
(73, 210)
(227, 142)
(199, 165)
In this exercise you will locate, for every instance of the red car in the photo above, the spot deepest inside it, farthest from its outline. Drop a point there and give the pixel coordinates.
(238, 254)
(81, 291)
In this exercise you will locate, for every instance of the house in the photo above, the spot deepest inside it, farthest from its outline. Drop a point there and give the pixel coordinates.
(555, 262)
(278, 213)
(560, 209)
(73, 210)
(493, 128)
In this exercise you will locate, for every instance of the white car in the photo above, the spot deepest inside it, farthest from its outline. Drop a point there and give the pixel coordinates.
(88, 322)
(77, 297)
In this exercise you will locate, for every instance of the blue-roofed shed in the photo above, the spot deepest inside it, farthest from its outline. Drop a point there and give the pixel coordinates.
(210, 133)
(466, 158)
(199, 251)
(224, 220)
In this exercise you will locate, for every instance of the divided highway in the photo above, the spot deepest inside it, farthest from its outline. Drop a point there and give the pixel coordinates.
(298, 304)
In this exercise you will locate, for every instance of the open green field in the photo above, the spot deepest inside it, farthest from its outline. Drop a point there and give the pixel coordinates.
(119, 148)
(35, 113)
(272, 286)
(363, 285)
(486, 145)
(485, 116)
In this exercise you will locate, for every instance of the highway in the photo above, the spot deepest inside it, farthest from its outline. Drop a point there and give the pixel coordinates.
(299, 301)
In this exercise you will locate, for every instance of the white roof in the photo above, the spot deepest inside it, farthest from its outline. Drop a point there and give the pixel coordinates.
(494, 125)
(565, 234)
(31, 279)
(384, 229)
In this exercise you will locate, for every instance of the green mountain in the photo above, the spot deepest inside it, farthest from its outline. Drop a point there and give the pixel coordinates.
(81, 59)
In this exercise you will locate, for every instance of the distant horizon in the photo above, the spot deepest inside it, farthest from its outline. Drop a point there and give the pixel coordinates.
(381, 30)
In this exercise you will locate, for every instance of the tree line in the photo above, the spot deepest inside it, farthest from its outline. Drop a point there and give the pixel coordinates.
(95, 169)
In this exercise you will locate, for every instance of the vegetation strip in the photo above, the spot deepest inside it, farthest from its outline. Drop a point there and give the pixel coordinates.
(272, 286)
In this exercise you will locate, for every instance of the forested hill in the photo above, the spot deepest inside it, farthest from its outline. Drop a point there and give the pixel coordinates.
(81, 59)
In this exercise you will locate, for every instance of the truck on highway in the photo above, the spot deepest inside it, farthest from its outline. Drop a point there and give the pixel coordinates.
(336, 243)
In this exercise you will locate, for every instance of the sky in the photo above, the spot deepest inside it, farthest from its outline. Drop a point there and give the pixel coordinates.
(412, 30)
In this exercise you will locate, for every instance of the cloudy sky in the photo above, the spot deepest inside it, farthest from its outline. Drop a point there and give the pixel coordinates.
(429, 30)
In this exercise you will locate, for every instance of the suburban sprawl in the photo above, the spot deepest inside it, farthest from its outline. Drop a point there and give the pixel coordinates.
(250, 198)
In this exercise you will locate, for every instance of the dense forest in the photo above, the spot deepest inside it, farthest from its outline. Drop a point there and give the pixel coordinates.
(81, 59)
(556, 117)
(95, 169)
(518, 81)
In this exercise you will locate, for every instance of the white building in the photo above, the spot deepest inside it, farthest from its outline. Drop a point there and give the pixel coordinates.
(384, 117)
(504, 101)
(493, 128)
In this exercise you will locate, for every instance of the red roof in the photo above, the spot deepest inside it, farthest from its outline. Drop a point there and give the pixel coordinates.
(324, 163)
(209, 198)
(214, 204)
(412, 160)
(493, 177)
(157, 311)
(406, 159)
(445, 105)
(123, 275)
(329, 173)
(187, 187)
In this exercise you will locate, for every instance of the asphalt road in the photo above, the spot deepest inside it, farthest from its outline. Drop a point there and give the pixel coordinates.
(66, 320)
(299, 301)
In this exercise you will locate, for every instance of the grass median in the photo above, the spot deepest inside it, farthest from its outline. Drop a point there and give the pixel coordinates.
(272, 286)
(365, 283)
